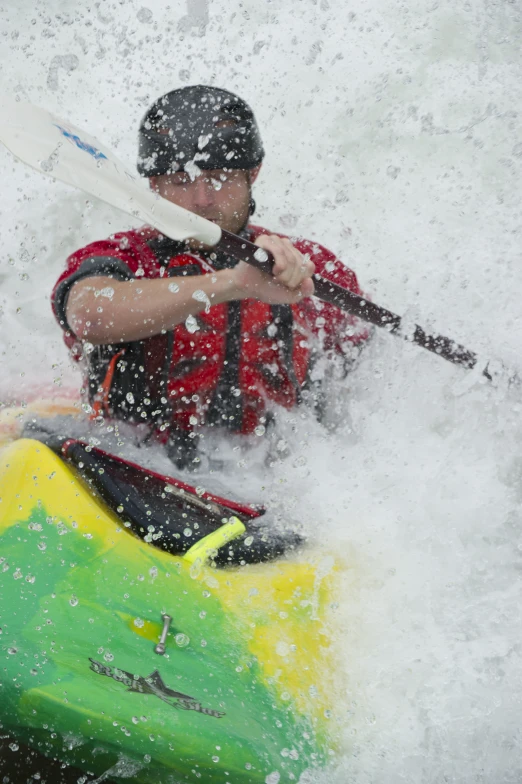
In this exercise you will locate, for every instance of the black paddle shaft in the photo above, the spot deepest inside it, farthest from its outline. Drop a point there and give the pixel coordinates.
(328, 291)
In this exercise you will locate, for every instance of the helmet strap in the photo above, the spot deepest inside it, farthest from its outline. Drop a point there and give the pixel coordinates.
(251, 204)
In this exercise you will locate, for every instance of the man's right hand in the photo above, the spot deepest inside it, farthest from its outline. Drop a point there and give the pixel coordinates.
(289, 281)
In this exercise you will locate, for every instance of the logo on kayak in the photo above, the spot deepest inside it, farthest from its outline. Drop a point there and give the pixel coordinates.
(153, 684)
(75, 139)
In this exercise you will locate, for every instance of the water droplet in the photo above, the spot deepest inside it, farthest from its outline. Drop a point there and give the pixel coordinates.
(17, 574)
(173, 287)
(260, 430)
(30, 578)
(139, 623)
(14, 746)
(33, 672)
(108, 656)
(215, 759)
(12, 651)
(130, 398)
(42, 546)
(200, 296)
(191, 324)
(282, 648)
(181, 640)
(135, 720)
(187, 532)
(73, 601)
(261, 255)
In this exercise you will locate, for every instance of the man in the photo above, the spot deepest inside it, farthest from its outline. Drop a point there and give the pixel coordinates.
(178, 337)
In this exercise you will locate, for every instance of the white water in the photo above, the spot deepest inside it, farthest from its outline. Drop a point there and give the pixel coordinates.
(399, 122)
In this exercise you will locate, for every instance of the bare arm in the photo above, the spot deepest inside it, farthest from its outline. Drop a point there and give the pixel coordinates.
(103, 310)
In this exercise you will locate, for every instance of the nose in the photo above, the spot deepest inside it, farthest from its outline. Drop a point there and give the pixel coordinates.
(204, 193)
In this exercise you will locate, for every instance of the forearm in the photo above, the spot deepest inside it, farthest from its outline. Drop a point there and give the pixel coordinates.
(103, 310)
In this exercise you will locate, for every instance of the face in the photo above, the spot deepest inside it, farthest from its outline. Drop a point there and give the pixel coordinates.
(219, 195)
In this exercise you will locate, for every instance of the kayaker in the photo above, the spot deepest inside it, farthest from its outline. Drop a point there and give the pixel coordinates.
(177, 337)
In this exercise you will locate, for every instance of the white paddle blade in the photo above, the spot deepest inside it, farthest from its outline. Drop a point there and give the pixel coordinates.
(60, 150)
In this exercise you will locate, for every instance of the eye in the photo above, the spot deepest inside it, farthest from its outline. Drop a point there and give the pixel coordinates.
(181, 179)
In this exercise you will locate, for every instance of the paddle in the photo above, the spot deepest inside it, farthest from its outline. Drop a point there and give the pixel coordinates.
(58, 149)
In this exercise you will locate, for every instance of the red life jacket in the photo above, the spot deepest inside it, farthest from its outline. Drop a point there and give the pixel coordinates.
(223, 368)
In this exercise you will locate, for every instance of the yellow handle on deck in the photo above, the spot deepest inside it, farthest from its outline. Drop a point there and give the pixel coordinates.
(202, 549)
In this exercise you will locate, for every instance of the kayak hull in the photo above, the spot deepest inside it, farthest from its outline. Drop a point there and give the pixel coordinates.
(242, 693)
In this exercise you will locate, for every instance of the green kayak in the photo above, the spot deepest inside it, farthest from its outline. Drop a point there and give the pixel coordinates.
(124, 660)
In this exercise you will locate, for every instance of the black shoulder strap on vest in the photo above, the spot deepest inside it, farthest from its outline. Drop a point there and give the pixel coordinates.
(283, 317)
(226, 406)
(164, 248)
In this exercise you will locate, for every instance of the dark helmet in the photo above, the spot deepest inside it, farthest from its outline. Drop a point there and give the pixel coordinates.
(210, 127)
